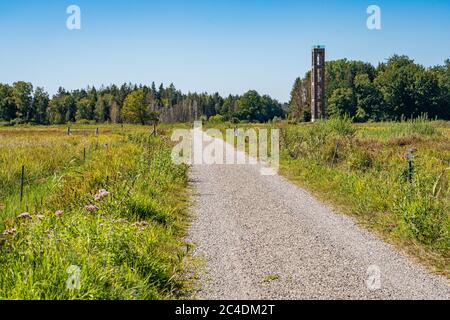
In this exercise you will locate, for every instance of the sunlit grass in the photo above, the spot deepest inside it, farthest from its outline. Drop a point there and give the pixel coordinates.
(128, 247)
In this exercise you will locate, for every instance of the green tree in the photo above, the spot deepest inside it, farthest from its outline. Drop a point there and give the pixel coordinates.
(40, 105)
(341, 74)
(229, 106)
(7, 107)
(396, 81)
(135, 108)
(342, 102)
(442, 74)
(426, 94)
(296, 102)
(84, 110)
(69, 104)
(369, 102)
(22, 95)
(103, 107)
(252, 107)
(299, 105)
(59, 106)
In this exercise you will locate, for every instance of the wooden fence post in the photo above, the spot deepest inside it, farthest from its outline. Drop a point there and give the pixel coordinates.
(410, 159)
(22, 179)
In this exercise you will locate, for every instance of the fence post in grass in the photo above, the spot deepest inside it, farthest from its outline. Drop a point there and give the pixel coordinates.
(22, 178)
(84, 154)
(68, 131)
(335, 153)
(410, 159)
(96, 131)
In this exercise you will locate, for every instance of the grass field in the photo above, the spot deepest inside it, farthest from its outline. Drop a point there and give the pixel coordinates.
(362, 170)
(102, 213)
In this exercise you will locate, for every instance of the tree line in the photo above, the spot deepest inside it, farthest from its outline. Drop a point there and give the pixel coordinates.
(392, 90)
(398, 88)
(20, 103)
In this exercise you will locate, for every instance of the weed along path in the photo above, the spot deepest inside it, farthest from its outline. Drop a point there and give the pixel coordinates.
(261, 237)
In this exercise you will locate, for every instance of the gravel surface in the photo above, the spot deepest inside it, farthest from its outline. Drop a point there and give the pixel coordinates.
(261, 237)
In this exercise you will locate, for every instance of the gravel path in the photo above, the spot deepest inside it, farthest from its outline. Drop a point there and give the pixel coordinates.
(262, 237)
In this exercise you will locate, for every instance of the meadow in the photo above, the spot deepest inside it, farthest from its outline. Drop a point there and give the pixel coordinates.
(102, 216)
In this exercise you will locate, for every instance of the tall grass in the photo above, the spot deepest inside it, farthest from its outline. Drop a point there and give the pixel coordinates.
(126, 247)
(420, 126)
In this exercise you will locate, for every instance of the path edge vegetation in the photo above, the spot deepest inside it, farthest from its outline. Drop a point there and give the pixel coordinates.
(381, 221)
(128, 242)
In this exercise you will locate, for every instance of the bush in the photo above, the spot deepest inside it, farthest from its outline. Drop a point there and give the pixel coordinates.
(85, 121)
(341, 126)
(17, 121)
(216, 119)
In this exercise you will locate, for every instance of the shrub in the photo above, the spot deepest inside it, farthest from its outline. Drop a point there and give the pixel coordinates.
(341, 126)
(216, 119)
(85, 121)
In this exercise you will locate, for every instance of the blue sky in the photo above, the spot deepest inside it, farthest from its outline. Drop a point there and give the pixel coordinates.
(227, 46)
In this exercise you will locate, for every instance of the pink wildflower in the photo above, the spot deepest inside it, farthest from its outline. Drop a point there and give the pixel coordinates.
(24, 215)
(140, 224)
(100, 194)
(50, 232)
(59, 213)
(91, 208)
(9, 232)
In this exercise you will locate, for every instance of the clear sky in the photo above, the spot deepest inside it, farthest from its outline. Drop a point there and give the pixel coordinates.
(228, 46)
